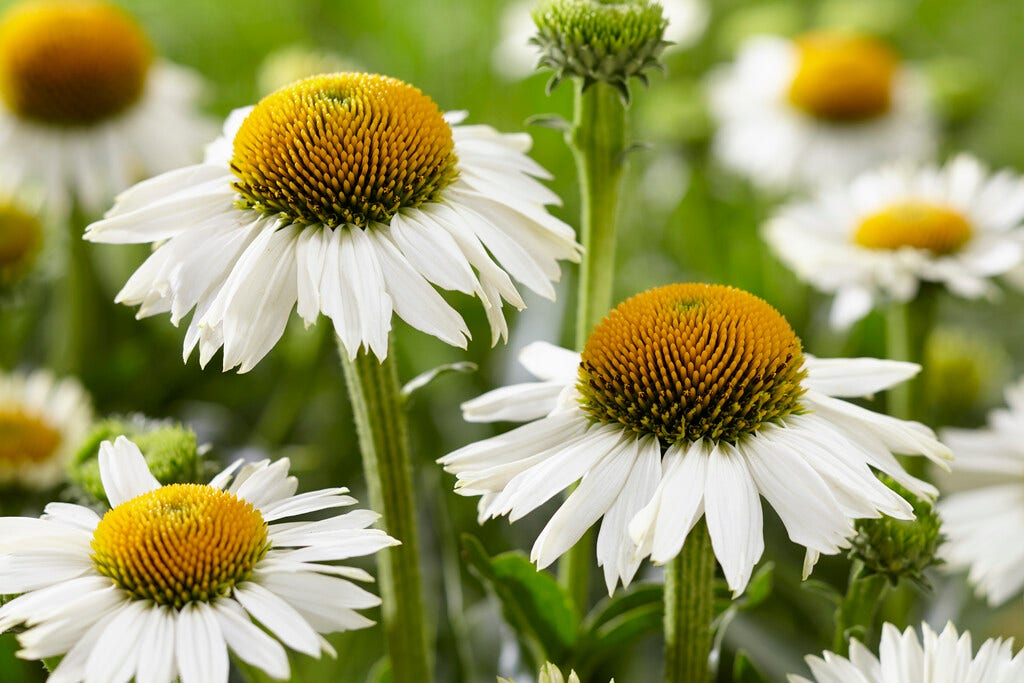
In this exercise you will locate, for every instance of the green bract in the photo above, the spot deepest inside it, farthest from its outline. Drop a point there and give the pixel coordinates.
(169, 448)
(900, 549)
(599, 41)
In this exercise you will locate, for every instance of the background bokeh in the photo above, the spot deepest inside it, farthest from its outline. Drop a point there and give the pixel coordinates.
(683, 219)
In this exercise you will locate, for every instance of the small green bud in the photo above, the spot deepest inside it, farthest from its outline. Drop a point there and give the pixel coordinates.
(293, 63)
(959, 87)
(899, 549)
(962, 375)
(169, 448)
(596, 40)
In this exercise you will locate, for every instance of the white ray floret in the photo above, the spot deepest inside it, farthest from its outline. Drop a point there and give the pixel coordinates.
(820, 239)
(816, 470)
(979, 520)
(243, 270)
(945, 657)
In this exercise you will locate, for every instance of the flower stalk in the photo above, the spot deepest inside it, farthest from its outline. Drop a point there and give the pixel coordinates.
(598, 142)
(689, 609)
(383, 441)
(76, 323)
(855, 616)
(907, 327)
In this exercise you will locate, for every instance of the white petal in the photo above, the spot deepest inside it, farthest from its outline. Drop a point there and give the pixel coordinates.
(200, 650)
(733, 512)
(856, 376)
(124, 471)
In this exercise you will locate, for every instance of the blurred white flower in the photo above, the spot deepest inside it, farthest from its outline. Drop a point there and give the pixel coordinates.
(877, 238)
(173, 576)
(935, 658)
(350, 195)
(692, 401)
(85, 107)
(985, 522)
(513, 58)
(822, 108)
(42, 422)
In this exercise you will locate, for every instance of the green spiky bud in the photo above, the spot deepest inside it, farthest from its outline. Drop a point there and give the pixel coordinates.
(899, 549)
(170, 450)
(549, 673)
(597, 40)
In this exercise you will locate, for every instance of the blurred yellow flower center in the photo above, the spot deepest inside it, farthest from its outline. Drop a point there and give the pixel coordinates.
(920, 225)
(692, 361)
(71, 63)
(21, 235)
(25, 438)
(346, 148)
(180, 543)
(842, 77)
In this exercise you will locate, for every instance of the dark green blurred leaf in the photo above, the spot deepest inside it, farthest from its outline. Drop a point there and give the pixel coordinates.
(535, 606)
(617, 622)
(744, 671)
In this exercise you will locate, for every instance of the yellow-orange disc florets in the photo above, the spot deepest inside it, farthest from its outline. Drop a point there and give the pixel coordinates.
(692, 361)
(25, 438)
(916, 224)
(71, 63)
(346, 148)
(180, 543)
(843, 77)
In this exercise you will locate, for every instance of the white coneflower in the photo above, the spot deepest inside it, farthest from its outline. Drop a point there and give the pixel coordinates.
(935, 658)
(85, 107)
(690, 401)
(42, 421)
(351, 195)
(172, 577)
(980, 520)
(821, 108)
(878, 238)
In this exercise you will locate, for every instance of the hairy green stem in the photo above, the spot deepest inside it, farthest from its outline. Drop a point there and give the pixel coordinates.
(855, 615)
(598, 142)
(689, 609)
(383, 440)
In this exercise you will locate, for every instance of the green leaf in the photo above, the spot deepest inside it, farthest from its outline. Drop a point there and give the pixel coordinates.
(535, 606)
(618, 621)
(744, 671)
(553, 121)
(423, 379)
(760, 586)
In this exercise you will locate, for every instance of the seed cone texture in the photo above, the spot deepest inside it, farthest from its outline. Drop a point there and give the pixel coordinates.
(692, 361)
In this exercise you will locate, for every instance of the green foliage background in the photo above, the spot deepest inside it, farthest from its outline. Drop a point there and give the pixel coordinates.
(684, 219)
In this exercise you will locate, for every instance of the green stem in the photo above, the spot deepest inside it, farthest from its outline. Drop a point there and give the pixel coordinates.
(907, 327)
(77, 324)
(381, 425)
(855, 616)
(598, 141)
(689, 609)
